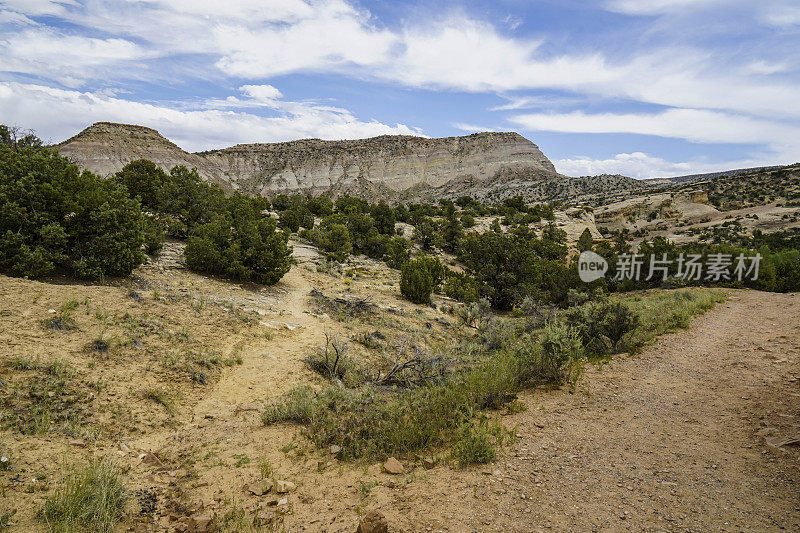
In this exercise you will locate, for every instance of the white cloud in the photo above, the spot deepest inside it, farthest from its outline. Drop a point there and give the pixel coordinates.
(33, 105)
(471, 128)
(766, 68)
(261, 92)
(655, 7)
(253, 40)
(693, 125)
(37, 7)
(782, 16)
(336, 37)
(44, 51)
(641, 165)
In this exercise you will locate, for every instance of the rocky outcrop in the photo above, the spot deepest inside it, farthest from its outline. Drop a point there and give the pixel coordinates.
(106, 147)
(379, 166)
(394, 162)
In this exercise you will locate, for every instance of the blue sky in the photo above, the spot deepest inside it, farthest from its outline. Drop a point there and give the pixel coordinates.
(644, 88)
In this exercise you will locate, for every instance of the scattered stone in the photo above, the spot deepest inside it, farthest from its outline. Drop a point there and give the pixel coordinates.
(202, 524)
(249, 407)
(393, 466)
(282, 502)
(428, 463)
(282, 487)
(335, 449)
(259, 488)
(151, 459)
(77, 443)
(373, 522)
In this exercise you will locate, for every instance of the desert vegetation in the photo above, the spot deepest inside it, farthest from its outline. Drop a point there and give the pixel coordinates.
(367, 420)
(413, 332)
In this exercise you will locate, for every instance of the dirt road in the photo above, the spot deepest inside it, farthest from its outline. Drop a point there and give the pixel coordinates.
(677, 438)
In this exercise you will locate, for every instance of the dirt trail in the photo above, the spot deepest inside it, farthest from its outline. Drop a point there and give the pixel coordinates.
(273, 366)
(676, 438)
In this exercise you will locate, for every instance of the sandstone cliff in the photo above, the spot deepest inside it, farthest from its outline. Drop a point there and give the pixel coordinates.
(395, 162)
(106, 147)
(380, 166)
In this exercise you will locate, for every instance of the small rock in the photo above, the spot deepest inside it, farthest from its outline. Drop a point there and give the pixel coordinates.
(335, 449)
(428, 463)
(259, 488)
(373, 522)
(202, 524)
(393, 466)
(282, 502)
(282, 487)
(248, 407)
(77, 443)
(151, 459)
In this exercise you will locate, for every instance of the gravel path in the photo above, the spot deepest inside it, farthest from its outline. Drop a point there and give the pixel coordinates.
(681, 437)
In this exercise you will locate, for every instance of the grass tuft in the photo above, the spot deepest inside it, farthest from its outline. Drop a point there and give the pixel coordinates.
(88, 498)
(161, 397)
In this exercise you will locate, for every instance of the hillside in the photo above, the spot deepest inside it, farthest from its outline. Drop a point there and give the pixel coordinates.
(106, 147)
(379, 166)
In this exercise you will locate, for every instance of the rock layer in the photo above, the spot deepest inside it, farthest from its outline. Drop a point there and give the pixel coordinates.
(385, 165)
(105, 147)
(395, 162)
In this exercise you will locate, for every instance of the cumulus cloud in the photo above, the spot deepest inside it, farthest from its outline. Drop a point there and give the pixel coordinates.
(641, 165)
(693, 125)
(193, 129)
(718, 98)
(781, 140)
(46, 52)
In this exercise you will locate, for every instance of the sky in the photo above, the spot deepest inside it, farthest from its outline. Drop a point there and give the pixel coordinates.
(644, 88)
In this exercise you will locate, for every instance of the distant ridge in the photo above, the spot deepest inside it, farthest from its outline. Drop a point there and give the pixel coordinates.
(708, 176)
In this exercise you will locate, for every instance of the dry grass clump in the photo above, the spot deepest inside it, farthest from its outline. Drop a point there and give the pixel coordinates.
(88, 498)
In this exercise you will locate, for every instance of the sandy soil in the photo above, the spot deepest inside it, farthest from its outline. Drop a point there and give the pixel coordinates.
(677, 437)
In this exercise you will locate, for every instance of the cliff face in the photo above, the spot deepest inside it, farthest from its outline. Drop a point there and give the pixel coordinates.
(388, 163)
(105, 147)
(395, 162)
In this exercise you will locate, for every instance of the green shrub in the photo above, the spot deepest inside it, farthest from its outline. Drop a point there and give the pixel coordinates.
(321, 206)
(434, 267)
(334, 240)
(88, 498)
(181, 198)
(474, 445)
(52, 216)
(153, 235)
(602, 325)
(461, 287)
(398, 251)
(242, 246)
(384, 218)
(416, 283)
(555, 357)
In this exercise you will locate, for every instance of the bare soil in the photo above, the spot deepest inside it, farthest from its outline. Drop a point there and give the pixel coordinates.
(681, 437)
(685, 436)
